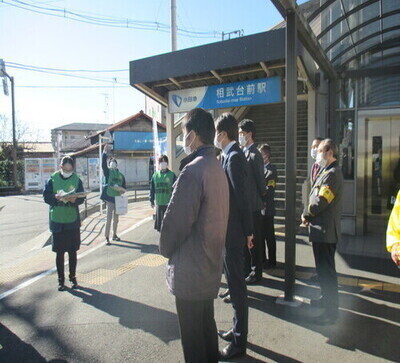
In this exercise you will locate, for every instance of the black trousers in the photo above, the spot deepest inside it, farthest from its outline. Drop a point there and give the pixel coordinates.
(73, 260)
(269, 237)
(324, 255)
(233, 268)
(254, 257)
(198, 330)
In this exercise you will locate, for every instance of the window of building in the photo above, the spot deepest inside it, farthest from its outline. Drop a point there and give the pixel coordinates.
(379, 91)
(346, 93)
(343, 135)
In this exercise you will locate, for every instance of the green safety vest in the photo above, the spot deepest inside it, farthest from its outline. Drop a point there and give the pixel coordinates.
(163, 186)
(64, 213)
(114, 178)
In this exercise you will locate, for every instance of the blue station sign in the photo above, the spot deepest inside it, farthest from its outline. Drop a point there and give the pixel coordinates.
(255, 92)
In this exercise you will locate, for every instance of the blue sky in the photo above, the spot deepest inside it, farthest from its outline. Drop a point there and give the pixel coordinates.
(55, 42)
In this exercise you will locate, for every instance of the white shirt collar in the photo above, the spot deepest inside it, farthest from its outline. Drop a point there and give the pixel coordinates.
(228, 147)
(247, 147)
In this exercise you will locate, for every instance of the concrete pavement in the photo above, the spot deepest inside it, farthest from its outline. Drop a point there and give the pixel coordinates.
(124, 313)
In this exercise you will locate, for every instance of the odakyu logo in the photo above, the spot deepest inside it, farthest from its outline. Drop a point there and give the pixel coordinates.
(177, 100)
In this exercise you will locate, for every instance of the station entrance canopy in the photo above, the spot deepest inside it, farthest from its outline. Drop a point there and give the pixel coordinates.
(233, 73)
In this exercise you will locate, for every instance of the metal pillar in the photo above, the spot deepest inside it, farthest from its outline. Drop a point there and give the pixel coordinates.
(290, 155)
(173, 25)
(14, 149)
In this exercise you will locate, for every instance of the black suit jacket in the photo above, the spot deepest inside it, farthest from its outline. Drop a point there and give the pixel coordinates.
(271, 177)
(240, 222)
(256, 178)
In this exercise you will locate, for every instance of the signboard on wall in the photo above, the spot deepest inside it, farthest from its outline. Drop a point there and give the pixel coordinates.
(254, 92)
(81, 168)
(138, 141)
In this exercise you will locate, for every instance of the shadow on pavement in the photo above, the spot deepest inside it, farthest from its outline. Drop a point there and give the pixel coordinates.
(364, 325)
(382, 266)
(28, 315)
(142, 247)
(133, 315)
(13, 349)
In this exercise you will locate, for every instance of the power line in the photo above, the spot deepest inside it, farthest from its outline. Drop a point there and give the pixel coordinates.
(108, 21)
(70, 70)
(64, 87)
(65, 74)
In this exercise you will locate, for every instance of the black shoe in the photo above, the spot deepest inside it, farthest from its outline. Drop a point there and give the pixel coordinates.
(116, 238)
(74, 283)
(326, 318)
(252, 279)
(317, 303)
(224, 293)
(226, 334)
(227, 299)
(108, 243)
(231, 351)
(61, 286)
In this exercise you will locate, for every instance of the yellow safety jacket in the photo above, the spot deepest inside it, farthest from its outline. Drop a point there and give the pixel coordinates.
(393, 229)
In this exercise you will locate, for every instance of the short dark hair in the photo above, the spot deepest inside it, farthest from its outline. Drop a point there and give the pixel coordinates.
(318, 138)
(163, 158)
(228, 123)
(248, 126)
(67, 160)
(266, 149)
(330, 145)
(201, 122)
(112, 159)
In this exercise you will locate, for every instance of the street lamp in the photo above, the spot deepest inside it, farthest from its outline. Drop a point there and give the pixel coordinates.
(3, 73)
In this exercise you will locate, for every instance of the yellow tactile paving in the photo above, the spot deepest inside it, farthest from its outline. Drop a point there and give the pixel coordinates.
(101, 276)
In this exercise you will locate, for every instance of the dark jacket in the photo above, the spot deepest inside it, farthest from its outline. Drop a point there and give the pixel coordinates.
(325, 205)
(270, 177)
(240, 223)
(106, 173)
(50, 199)
(256, 178)
(193, 231)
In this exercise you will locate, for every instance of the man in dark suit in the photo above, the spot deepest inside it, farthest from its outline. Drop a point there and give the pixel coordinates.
(254, 258)
(268, 213)
(322, 216)
(239, 233)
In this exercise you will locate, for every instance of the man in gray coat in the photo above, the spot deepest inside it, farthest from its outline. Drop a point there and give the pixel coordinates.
(322, 215)
(193, 237)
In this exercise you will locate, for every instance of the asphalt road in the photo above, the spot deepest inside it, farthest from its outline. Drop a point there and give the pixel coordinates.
(22, 218)
(124, 313)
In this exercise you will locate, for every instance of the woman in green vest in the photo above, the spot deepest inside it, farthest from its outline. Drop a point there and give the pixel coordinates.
(161, 190)
(114, 179)
(64, 217)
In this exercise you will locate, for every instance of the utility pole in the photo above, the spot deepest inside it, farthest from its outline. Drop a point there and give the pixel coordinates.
(14, 149)
(173, 25)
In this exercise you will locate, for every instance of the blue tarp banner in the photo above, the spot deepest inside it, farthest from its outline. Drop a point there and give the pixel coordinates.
(254, 92)
(138, 141)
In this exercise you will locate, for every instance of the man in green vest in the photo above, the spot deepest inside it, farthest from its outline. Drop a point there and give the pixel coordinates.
(161, 190)
(114, 181)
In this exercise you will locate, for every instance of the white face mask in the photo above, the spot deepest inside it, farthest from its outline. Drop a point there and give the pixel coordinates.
(163, 165)
(242, 140)
(113, 165)
(186, 148)
(320, 160)
(217, 144)
(314, 153)
(66, 174)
